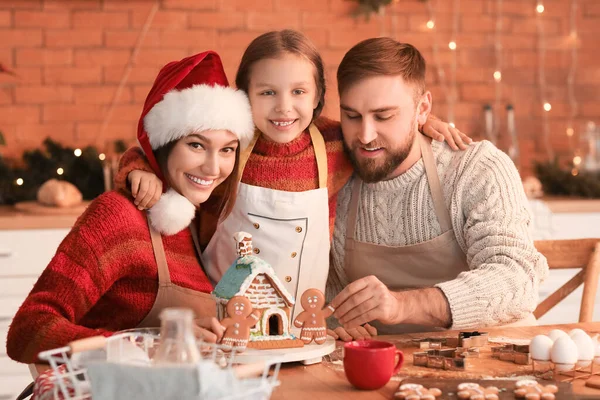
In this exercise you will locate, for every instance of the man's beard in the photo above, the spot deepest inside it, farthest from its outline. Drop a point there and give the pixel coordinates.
(373, 170)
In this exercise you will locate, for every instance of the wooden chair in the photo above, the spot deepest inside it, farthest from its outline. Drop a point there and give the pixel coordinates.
(576, 253)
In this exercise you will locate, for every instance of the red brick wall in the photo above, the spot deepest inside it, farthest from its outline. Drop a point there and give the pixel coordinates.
(70, 56)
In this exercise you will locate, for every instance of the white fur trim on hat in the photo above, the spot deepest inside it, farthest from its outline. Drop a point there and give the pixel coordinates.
(172, 213)
(199, 108)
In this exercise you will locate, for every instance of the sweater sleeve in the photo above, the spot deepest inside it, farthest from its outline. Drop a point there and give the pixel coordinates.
(132, 159)
(489, 208)
(67, 289)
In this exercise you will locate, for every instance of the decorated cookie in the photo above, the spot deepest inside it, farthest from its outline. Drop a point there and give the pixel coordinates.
(238, 323)
(413, 391)
(473, 391)
(312, 319)
(533, 390)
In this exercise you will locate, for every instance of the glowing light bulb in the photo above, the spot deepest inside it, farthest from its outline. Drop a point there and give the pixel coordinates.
(497, 76)
(19, 181)
(102, 156)
(60, 171)
(452, 124)
(430, 24)
(570, 132)
(547, 106)
(540, 8)
(574, 172)
(576, 160)
(77, 152)
(452, 45)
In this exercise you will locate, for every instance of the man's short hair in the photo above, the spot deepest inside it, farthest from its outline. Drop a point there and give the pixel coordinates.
(382, 56)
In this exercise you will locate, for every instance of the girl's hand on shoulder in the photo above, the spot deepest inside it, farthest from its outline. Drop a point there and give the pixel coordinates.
(146, 188)
(439, 130)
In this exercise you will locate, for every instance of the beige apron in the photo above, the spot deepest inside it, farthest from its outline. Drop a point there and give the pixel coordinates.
(419, 265)
(290, 230)
(171, 295)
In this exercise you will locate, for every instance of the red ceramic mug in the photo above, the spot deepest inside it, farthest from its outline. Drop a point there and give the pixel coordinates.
(369, 364)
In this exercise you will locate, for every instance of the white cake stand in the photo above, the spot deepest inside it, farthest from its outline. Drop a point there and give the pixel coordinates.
(309, 354)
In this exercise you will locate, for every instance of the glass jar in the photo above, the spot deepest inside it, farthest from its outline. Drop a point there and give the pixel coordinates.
(177, 340)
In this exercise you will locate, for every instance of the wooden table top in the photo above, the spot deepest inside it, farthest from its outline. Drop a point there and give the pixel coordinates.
(327, 380)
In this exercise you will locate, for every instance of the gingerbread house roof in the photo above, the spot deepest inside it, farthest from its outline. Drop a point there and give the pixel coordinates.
(238, 278)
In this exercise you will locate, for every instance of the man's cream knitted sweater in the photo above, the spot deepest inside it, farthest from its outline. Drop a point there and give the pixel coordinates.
(490, 216)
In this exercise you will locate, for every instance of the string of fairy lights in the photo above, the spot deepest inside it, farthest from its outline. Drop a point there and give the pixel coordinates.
(449, 84)
(448, 92)
(573, 106)
(543, 95)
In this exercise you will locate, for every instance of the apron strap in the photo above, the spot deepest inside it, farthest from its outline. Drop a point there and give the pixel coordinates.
(320, 154)
(159, 255)
(318, 145)
(351, 221)
(441, 211)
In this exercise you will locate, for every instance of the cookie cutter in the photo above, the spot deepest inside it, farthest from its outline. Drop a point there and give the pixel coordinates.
(446, 359)
(464, 340)
(516, 353)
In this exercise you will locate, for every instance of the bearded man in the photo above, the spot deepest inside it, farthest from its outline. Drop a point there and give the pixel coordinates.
(425, 237)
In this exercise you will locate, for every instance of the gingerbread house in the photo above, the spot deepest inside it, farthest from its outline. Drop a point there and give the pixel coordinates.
(252, 277)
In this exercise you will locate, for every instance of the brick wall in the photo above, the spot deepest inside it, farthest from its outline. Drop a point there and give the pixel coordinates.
(71, 55)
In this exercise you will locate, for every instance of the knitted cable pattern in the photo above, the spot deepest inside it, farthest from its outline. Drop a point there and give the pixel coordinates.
(490, 217)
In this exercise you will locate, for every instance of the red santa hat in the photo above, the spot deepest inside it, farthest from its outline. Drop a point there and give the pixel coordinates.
(189, 96)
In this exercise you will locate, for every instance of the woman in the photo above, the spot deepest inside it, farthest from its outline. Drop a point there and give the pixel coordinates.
(119, 267)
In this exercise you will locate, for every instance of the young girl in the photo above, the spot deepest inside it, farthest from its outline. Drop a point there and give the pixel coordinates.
(118, 268)
(291, 172)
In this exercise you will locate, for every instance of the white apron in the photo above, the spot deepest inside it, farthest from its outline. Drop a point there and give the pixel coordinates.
(418, 265)
(290, 230)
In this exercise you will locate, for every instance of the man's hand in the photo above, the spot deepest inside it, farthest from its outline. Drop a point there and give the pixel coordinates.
(365, 300)
(146, 188)
(363, 332)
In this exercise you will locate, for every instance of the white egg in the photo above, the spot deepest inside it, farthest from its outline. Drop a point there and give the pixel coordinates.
(585, 348)
(564, 353)
(576, 332)
(556, 333)
(540, 347)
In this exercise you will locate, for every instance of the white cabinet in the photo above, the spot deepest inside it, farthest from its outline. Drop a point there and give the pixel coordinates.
(23, 256)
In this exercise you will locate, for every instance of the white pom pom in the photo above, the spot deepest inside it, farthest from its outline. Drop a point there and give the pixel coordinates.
(172, 213)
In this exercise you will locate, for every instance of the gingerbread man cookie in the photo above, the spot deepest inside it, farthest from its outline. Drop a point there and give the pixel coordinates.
(312, 319)
(238, 323)
(413, 391)
(473, 391)
(533, 390)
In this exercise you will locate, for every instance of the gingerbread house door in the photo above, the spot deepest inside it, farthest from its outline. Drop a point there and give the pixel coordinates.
(275, 322)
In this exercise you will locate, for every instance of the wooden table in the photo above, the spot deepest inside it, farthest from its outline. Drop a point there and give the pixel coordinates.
(327, 380)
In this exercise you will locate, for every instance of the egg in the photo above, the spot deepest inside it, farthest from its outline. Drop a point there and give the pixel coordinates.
(576, 332)
(556, 333)
(585, 348)
(540, 347)
(564, 353)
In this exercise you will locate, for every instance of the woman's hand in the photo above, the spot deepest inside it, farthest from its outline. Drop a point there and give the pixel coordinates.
(439, 130)
(209, 329)
(363, 332)
(146, 188)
